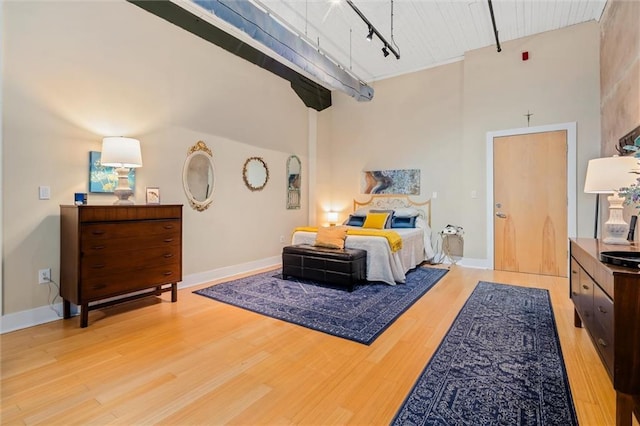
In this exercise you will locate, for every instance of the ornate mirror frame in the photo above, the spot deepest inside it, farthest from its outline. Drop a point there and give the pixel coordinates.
(294, 182)
(194, 180)
(249, 169)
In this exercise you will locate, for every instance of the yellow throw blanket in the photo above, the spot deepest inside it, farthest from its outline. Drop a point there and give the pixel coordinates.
(394, 239)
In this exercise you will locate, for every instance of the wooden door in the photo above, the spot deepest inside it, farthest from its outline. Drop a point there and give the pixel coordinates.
(530, 203)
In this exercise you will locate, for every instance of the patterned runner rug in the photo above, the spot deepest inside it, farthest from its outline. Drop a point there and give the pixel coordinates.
(500, 363)
(361, 315)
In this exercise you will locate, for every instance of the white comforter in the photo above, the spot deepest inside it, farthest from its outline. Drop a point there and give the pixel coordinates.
(382, 264)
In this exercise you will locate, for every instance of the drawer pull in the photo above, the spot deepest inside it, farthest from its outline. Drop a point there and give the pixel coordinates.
(97, 247)
(168, 240)
(168, 227)
(99, 286)
(574, 271)
(166, 274)
(168, 255)
(602, 310)
(98, 266)
(97, 232)
(602, 342)
(586, 287)
(575, 293)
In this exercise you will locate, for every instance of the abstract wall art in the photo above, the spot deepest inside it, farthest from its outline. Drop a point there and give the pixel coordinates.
(405, 182)
(104, 178)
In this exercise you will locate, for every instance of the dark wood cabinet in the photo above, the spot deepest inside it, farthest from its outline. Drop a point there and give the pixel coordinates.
(607, 302)
(118, 252)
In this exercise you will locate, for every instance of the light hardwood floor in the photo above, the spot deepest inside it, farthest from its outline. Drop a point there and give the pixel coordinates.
(199, 361)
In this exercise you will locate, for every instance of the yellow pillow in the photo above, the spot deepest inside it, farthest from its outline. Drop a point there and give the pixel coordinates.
(375, 220)
(331, 237)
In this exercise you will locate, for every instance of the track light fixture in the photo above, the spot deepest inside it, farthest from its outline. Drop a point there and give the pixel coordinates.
(387, 47)
(370, 35)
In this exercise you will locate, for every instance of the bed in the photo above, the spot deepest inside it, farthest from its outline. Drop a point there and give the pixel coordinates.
(383, 264)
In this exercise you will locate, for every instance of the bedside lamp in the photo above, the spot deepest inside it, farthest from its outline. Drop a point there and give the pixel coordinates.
(123, 154)
(332, 217)
(606, 176)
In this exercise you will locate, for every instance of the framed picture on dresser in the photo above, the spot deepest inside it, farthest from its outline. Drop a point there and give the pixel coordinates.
(152, 195)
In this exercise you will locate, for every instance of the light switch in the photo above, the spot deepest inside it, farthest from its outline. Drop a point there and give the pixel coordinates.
(434, 195)
(44, 192)
(474, 194)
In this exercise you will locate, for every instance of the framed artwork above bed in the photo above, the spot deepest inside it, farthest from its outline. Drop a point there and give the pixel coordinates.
(397, 182)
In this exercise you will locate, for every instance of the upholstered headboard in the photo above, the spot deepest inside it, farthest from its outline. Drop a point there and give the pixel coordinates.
(389, 202)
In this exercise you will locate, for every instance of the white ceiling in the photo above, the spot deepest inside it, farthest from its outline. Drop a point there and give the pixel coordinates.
(427, 32)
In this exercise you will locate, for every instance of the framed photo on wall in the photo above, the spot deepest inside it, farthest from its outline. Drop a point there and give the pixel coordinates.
(104, 179)
(152, 195)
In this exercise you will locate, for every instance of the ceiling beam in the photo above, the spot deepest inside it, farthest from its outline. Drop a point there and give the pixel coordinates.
(312, 94)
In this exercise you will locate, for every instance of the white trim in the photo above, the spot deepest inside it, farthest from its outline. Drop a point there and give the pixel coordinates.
(469, 262)
(44, 314)
(571, 176)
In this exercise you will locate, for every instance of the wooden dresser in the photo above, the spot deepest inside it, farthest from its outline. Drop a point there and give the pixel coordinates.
(607, 303)
(109, 252)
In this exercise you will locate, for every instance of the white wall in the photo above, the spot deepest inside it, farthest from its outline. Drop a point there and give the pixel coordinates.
(77, 71)
(437, 120)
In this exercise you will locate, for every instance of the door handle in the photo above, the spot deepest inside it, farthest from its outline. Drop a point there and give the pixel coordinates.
(501, 215)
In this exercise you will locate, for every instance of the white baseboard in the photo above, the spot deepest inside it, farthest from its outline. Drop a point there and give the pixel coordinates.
(468, 262)
(44, 314)
(475, 263)
(229, 271)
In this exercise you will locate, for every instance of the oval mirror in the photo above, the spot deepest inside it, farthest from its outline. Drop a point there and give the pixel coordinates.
(198, 177)
(255, 173)
(294, 168)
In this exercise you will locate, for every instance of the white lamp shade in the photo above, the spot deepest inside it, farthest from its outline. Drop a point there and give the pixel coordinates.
(607, 175)
(121, 152)
(332, 217)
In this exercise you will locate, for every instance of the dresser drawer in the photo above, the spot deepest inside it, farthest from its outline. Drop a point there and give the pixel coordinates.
(574, 281)
(105, 246)
(603, 310)
(115, 262)
(129, 229)
(103, 286)
(603, 341)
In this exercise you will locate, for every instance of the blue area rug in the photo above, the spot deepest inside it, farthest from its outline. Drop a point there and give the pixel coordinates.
(361, 315)
(499, 364)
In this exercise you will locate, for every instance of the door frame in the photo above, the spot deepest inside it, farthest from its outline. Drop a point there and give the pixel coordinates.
(571, 177)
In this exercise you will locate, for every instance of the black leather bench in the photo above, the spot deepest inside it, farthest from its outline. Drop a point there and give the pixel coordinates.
(344, 267)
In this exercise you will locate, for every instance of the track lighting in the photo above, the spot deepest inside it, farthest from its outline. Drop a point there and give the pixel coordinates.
(370, 35)
(388, 47)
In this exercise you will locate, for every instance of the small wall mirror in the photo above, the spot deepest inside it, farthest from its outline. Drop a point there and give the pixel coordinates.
(293, 182)
(255, 173)
(198, 176)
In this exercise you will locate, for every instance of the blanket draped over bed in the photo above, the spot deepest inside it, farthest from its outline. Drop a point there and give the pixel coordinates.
(394, 239)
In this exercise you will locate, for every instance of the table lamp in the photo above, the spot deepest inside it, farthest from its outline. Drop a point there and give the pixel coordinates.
(606, 176)
(123, 154)
(332, 217)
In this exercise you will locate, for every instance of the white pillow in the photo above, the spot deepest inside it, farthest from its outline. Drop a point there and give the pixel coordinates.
(361, 212)
(406, 212)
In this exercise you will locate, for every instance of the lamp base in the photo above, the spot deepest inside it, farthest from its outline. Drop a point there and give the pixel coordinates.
(615, 229)
(122, 191)
(618, 241)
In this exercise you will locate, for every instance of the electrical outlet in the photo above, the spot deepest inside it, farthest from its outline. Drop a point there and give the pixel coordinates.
(282, 238)
(44, 276)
